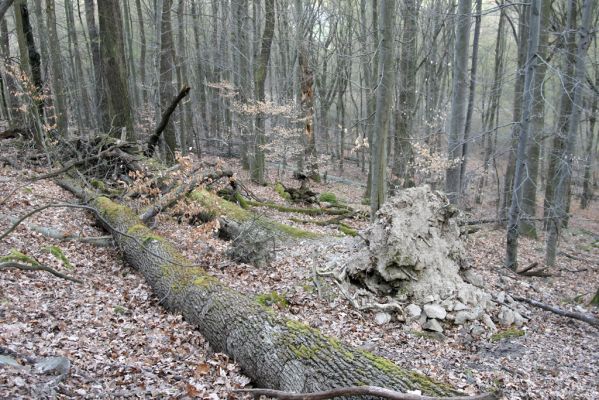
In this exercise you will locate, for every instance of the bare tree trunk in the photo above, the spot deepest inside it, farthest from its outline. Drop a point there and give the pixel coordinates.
(60, 98)
(30, 64)
(458, 101)
(591, 146)
(85, 110)
(405, 108)
(384, 99)
(143, 50)
(166, 77)
(564, 169)
(508, 184)
(513, 230)
(258, 164)
(471, 96)
(529, 194)
(94, 39)
(116, 106)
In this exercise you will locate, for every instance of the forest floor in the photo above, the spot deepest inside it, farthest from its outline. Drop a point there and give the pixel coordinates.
(121, 343)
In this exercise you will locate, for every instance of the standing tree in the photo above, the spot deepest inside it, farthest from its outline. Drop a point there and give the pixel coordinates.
(115, 105)
(525, 127)
(166, 76)
(562, 178)
(60, 98)
(458, 100)
(258, 162)
(384, 98)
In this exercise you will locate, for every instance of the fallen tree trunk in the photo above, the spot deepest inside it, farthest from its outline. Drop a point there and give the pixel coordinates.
(274, 352)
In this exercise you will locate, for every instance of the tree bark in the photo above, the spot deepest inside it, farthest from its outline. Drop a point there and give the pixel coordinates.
(384, 98)
(513, 229)
(458, 101)
(258, 163)
(62, 116)
(166, 77)
(564, 167)
(274, 352)
(116, 106)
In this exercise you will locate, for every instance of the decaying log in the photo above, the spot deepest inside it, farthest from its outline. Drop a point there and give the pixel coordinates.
(273, 351)
(153, 141)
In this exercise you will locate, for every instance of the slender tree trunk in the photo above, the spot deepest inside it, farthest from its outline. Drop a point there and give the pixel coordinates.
(525, 127)
(94, 39)
(405, 108)
(166, 77)
(529, 195)
(258, 165)
(591, 146)
(85, 110)
(523, 34)
(471, 97)
(384, 98)
(559, 140)
(30, 64)
(458, 101)
(489, 118)
(60, 98)
(564, 169)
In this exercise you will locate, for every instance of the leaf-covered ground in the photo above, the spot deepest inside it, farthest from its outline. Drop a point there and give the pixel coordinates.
(122, 344)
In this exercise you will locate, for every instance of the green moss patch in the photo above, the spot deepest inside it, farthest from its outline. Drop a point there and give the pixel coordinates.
(507, 334)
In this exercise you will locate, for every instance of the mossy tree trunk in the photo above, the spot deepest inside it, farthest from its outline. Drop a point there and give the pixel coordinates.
(274, 352)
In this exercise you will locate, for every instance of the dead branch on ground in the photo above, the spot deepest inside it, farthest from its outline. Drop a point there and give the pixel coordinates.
(39, 267)
(589, 319)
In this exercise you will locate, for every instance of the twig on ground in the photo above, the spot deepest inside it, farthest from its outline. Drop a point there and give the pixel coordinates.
(356, 391)
(589, 319)
(40, 267)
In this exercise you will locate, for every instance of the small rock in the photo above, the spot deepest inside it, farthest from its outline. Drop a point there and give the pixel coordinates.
(53, 365)
(519, 320)
(433, 325)
(506, 316)
(6, 360)
(450, 316)
(368, 346)
(477, 331)
(434, 311)
(473, 278)
(413, 311)
(428, 299)
(467, 295)
(447, 305)
(489, 322)
(509, 299)
(461, 317)
(501, 297)
(459, 306)
(382, 318)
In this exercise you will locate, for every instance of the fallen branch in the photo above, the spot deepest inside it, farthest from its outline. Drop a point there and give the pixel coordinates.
(573, 257)
(63, 236)
(40, 267)
(589, 319)
(153, 141)
(356, 391)
(530, 271)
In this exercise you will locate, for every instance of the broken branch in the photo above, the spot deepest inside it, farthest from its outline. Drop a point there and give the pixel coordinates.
(589, 319)
(153, 141)
(40, 267)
